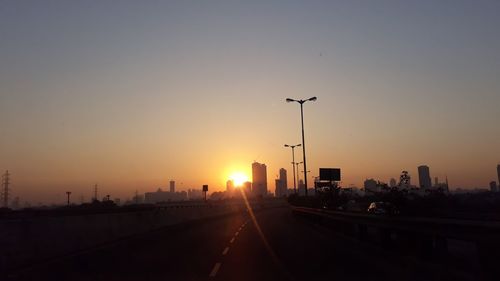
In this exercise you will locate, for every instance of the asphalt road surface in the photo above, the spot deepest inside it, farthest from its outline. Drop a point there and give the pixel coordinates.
(274, 246)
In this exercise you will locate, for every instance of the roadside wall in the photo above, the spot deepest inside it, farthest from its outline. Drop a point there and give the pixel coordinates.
(28, 241)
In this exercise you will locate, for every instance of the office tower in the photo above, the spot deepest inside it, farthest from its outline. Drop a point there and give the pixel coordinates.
(259, 179)
(424, 177)
(436, 181)
(283, 179)
(172, 186)
(282, 190)
(493, 186)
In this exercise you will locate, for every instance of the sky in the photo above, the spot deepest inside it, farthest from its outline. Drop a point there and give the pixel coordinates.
(131, 94)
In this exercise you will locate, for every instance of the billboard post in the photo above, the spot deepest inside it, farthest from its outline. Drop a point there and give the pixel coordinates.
(205, 190)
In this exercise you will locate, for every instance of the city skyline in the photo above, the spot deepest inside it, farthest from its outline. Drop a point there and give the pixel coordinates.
(130, 96)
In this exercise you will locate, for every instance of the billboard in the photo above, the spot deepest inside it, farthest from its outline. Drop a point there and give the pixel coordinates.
(329, 174)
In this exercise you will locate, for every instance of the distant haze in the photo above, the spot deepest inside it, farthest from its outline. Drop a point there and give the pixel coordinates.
(131, 94)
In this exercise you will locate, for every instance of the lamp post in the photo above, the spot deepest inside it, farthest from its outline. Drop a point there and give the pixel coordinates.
(301, 102)
(298, 175)
(306, 174)
(293, 165)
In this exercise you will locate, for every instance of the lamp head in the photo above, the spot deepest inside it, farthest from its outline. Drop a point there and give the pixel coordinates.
(312, 99)
(289, 100)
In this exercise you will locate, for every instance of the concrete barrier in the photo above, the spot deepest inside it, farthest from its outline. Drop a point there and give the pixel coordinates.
(30, 240)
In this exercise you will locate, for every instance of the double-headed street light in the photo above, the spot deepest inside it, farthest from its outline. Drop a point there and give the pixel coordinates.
(301, 102)
(293, 165)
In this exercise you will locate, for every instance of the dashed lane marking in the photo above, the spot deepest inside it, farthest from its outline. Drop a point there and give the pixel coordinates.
(215, 269)
(236, 234)
(232, 240)
(225, 251)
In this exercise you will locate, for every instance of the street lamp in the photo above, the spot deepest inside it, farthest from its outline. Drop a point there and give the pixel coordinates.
(293, 165)
(298, 175)
(301, 102)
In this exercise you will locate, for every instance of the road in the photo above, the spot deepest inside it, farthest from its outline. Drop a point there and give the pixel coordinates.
(274, 245)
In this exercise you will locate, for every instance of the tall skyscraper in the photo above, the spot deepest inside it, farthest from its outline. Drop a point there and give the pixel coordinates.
(424, 177)
(259, 179)
(281, 184)
(283, 179)
(172, 186)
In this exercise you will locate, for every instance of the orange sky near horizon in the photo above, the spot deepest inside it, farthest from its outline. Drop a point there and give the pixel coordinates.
(133, 95)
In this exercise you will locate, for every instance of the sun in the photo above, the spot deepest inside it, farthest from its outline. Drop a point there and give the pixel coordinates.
(238, 178)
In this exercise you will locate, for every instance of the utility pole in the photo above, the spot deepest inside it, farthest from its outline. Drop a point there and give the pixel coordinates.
(5, 189)
(68, 193)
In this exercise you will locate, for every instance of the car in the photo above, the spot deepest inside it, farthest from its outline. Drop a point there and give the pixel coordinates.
(382, 208)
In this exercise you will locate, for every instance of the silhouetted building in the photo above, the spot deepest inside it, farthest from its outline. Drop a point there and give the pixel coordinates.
(283, 179)
(137, 199)
(281, 184)
(436, 181)
(247, 187)
(163, 196)
(493, 186)
(424, 177)
(259, 179)
(194, 194)
(370, 186)
(393, 183)
(172, 186)
(301, 188)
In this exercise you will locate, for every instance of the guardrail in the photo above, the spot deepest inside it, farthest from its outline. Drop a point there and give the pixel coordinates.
(467, 230)
(431, 235)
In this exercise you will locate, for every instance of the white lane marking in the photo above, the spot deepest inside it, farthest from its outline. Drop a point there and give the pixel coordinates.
(215, 269)
(236, 234)
(232, 240)
(225, 251)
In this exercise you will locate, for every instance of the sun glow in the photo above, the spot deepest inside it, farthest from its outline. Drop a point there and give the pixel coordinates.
(238, 178)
